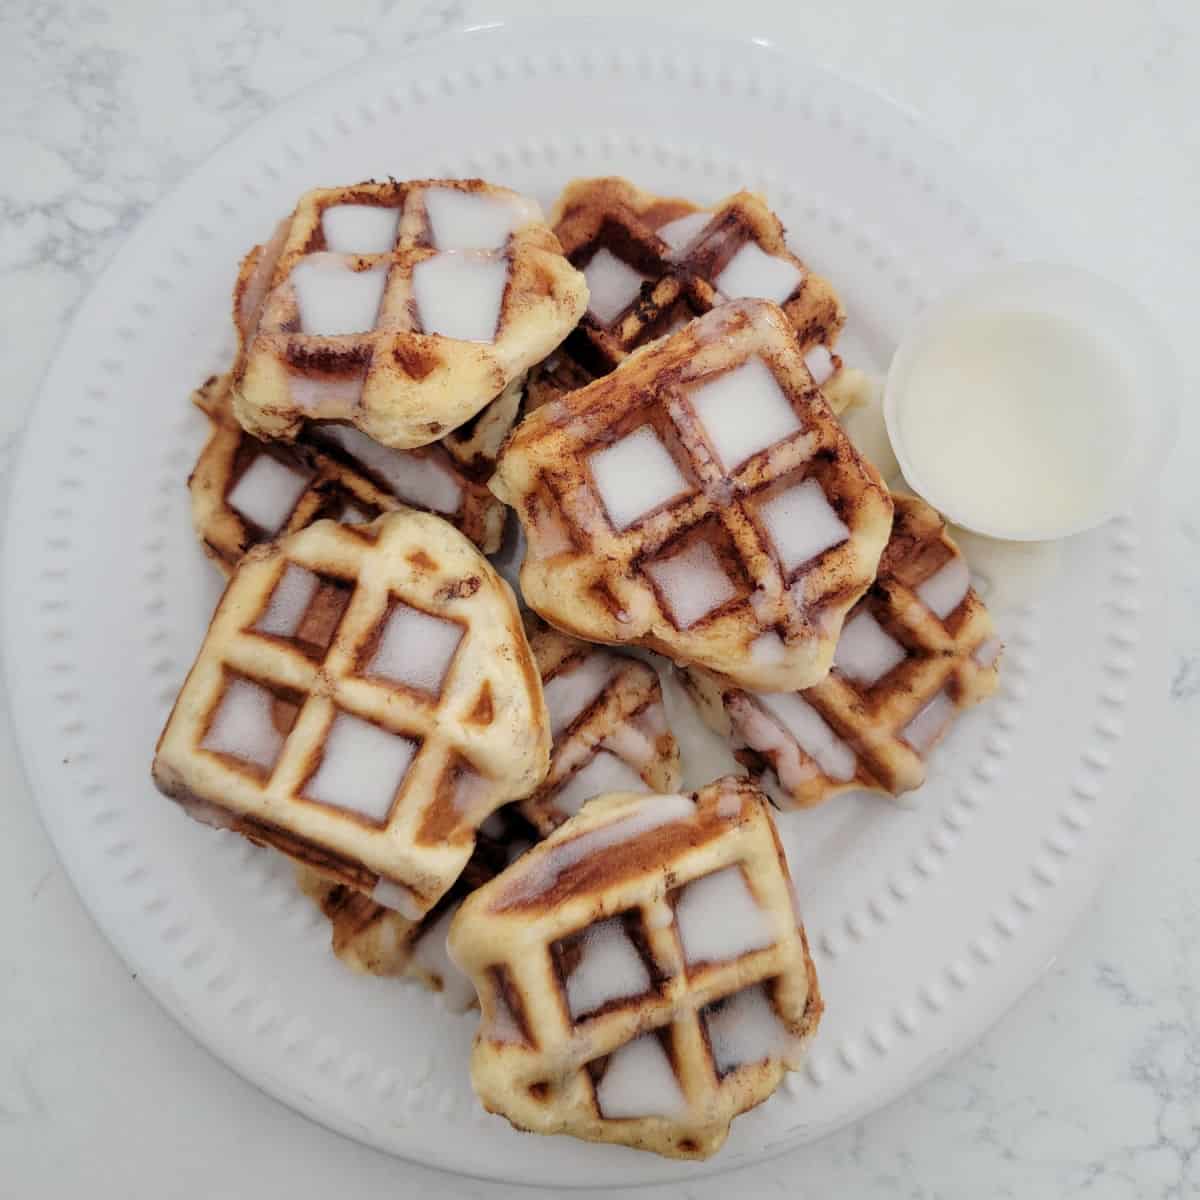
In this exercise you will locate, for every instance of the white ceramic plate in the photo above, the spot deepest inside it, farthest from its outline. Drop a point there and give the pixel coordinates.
(927, 919)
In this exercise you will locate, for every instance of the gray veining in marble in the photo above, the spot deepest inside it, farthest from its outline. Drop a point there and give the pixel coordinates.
(1091, 1086)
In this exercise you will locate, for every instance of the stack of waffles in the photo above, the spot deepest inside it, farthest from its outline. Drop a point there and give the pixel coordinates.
(481, 792)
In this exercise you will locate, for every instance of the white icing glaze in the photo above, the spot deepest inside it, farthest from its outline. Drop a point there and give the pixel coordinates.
(746, 1029)
(503, 1026)
(430, 954)
(768, 649)
(362, 767)
(1019, 416)
(605, 773)
(573, 690)
(242, 726)
(946, 588)
(359, 228)
(812, 734)
(335, 300)
(267, 492)
(743, 411)
(729, 805)
(819, 362)
(609, 968)
(635, 475)
(612, 285)
(397, 897)
(754, 272)
(719, 919)
(420, 479)
(761, 733)
(650, 813)
(692, 583)
(866, 652)
(801, 524)
(987, 652)
(640, 1082)
(652, 720)
(415, 649)
(288, 602)
(459, 294)
(634, 741)
(313, 392)
(680, 233)
(472, 221)
(471, 793)
(930, 723)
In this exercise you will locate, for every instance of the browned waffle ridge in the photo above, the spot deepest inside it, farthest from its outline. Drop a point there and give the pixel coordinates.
(873, 728)
(365, 697)
(625, 943)
(606, 575)
(609, 729)
(410, 373)
(336, 471)
(672, 272)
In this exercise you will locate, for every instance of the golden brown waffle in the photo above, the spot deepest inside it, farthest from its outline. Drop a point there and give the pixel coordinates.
(402, 308)
(375, 940)
(654, 262)
(336, 471)
(365, 697)
(916, 651)
(608, 723)
(609, 733)
(643, 974)
(701, 500)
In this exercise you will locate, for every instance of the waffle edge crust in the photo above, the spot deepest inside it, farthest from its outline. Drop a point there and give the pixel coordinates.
(407, 375)
(916, 652)
(671, 254)
(726, 507)
(614, 1007)
(364, 699)
(335, 471)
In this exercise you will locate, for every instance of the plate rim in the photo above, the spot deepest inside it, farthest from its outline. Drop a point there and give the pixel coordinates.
(42, 783)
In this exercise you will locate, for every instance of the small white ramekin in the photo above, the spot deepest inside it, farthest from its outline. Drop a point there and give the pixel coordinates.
(1107, 313)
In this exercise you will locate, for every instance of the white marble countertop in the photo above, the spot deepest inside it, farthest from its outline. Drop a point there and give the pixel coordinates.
(1091, 1085)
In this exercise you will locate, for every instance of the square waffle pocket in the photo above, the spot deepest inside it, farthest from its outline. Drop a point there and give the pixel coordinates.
(402, 308)
(365, 697)
(245, 491)
(643, 974)
(652, 263)
(702, 501)
(915, 652)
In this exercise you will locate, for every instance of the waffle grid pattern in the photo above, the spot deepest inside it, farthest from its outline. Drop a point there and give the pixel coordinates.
(333, 481)
(601, 582)
(477, 741)
(624, 718)
(541, 1068)
(421, 368)
(954, 655)
(679, 274)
